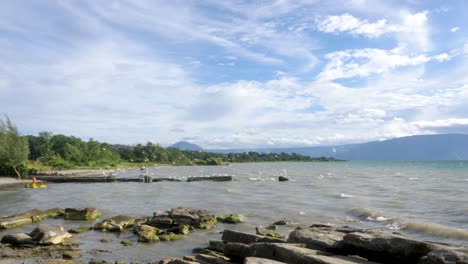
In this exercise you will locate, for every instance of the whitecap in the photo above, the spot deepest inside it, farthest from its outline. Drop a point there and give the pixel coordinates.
(413, 178)
(344, 195)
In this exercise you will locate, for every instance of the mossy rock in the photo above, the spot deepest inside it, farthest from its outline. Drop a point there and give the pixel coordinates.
(274, 234)
(169, 237)
(283, 222)
(83, 214)
(272, 227)
(80, 229)
(126, 242)
(234, 218)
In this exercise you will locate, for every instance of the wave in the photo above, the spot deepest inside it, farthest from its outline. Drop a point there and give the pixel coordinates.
(344, 195)
(436, 230)
(370, 215)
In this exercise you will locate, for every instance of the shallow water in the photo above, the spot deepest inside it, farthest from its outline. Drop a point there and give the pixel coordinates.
(424, 199)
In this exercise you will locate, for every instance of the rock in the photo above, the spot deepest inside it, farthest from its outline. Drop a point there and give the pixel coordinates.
(106, 240)
(239, 237)
(115, 224)
(320, 237)
(54, 212)
(216, 245)
(126, 242)
(283, 222)
(82, 214)
(10, 222)
(272, 227)
(146, 233)
(385, 247)
(70, 254)
(210, 178)
(203, 258)
(287, 253)
(197, 218)
(265, 232)
(180, 230)
(80, 229)
(234, 218)
(254, 260)
(283, 178)
(169, 237)
(17, 239)
(46, 235)
(161, 220)
(444, 256)
(175, 261)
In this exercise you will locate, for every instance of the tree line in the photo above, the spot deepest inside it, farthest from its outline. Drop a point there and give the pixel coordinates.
(67, 152)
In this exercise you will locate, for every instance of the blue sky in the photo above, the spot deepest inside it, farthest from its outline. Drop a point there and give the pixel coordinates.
(230, 74)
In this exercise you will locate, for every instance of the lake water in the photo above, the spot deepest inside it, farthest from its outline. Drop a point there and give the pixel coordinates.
(428, 200)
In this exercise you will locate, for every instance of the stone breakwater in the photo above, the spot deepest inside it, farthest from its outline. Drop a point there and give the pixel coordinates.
(321, 244)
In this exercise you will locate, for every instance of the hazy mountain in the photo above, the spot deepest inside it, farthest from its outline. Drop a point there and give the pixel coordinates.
(184, 145)
(423, 147)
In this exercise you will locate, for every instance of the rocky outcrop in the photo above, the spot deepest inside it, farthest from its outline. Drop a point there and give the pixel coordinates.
(83, 214)
(17, 239)
(115, 224)
(245, 238)
(444, 256)
(147, 233)
(320, 237)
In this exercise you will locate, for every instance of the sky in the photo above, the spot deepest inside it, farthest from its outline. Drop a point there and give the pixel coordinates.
(235, 74)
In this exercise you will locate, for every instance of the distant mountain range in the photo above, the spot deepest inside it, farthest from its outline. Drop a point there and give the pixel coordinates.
(422, 147)
(184, 145)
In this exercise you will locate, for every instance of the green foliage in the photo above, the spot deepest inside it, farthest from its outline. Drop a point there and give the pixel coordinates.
(14, 149)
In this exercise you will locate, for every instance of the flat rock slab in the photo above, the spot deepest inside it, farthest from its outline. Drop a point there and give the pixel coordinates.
(321, 237)
(81, 214)
(254, 260)
(245, 238)
(115, 224)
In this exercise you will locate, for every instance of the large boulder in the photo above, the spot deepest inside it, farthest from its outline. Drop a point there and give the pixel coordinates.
(17, 239)
(116, 223)
(197, 218)
(161, 219)
(234, 218)
(46, 235)
(385, 247)
(82, 214)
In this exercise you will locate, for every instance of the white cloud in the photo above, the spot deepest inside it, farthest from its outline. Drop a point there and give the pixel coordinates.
(454, 29)
(364, 62)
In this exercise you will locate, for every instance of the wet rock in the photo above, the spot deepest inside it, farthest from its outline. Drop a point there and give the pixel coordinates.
(272, 227)
(283, 222)
(239, 237)
(216, 245)
(41, 215)
(320, 237)
(106, 240)
(444, 256)
(197, 218)
(234, 218)
(238, 251)
(161, 219)
(176, 261)
(146, 233)
(126, 242)
(99, 261)
(80, 229)
(254, 260)
(115, 224)
(47, 235)
(266, 232)
(10, 222)
(181, 230)
(210, 178)
(169, 237)
(17, 239)
(385, 247)
(70, 254)
(283, 178)
(81, 214)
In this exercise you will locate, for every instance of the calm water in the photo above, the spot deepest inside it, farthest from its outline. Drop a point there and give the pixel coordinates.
(428, 200)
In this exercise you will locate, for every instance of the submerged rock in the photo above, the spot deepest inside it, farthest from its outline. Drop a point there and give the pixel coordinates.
(283, 222)
(126, 242)
(169, 237)
(234, 218)
(80, 229)
(115, 224)
(28, 217)
(81, 214)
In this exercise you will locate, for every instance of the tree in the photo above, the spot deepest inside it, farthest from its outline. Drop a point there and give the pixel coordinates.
(14, 149)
